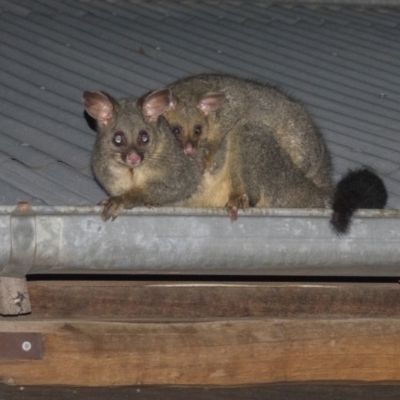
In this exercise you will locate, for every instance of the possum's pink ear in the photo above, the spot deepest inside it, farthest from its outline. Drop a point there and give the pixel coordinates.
(99, 106)
(157, 103)
(211, 102)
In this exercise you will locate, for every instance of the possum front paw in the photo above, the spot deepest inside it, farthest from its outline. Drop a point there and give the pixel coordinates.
(113, 206)
(236, 203)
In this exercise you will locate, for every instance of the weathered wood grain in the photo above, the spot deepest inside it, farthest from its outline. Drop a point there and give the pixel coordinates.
(132, 299)
(228, 352)
(116, 333)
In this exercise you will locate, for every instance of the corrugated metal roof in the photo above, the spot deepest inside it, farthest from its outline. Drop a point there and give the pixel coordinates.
(342, 61)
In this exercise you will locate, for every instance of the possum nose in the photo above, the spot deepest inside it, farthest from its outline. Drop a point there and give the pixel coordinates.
(133, 158)
(188, 149)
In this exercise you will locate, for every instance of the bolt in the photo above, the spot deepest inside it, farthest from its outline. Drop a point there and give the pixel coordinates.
(26, 346)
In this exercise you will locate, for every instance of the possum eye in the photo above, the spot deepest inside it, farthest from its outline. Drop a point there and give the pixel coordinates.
(118, 138)
(197, 130)
(176, 130)
(144, 137)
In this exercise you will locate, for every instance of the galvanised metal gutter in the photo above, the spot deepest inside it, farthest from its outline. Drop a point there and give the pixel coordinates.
(49, 240)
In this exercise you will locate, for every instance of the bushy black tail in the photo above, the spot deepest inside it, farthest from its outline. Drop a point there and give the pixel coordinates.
(361, 188)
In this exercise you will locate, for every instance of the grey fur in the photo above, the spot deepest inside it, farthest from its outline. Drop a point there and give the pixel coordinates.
(164, 176)
(248, 100)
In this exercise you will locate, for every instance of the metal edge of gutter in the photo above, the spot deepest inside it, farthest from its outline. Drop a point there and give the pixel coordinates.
(67, 240)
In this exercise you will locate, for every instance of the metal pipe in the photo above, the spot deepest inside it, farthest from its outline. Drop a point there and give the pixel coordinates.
(196, 241)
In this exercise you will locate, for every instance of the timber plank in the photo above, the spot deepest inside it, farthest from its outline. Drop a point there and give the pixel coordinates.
(222, 352)
(113, 299)
(270, 392)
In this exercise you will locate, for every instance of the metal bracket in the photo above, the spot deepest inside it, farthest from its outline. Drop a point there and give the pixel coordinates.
(21, 345)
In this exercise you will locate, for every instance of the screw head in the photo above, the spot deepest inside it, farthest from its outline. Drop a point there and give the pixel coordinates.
(26, 346)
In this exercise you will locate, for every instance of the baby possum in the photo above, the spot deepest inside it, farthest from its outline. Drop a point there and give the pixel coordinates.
(204, 108)
(136, 158)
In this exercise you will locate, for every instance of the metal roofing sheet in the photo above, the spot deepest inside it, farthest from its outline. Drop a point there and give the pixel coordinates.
(342, 61)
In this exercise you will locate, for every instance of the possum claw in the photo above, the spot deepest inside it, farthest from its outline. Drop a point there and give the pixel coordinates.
(112, 208)
(233, 205)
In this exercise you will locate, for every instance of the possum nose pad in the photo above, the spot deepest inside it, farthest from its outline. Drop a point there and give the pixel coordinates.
(188, 149)
(133, 158)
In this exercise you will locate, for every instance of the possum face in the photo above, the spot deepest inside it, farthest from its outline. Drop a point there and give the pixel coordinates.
(124, 136)
(189, 119)
(130, 146)
(189, 126)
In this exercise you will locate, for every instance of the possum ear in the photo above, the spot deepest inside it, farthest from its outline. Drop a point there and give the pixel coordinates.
(99, 105)
(157, 103)
(211, 102)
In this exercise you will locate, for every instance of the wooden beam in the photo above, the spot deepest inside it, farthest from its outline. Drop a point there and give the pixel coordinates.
(229, 352)
(132, 299)
(208, 333)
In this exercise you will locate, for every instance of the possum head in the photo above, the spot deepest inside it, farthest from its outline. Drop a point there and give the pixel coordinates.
(125, 134)
(190, 122)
